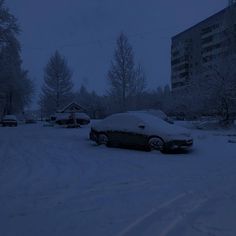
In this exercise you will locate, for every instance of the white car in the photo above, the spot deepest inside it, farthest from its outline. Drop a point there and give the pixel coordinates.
(140, 130)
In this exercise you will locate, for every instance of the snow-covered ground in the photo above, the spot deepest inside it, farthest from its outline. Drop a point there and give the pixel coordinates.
(54, 181)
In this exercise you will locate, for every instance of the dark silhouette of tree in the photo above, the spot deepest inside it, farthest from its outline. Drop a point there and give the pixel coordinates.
(57, 90)
(8, 24)
(16, 88)
(125, 80)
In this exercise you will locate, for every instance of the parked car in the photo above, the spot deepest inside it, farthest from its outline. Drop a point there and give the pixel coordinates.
(30, 119)
(82, 118)
(9, 120)
(61, 119)
(140, 130)
(68, 119)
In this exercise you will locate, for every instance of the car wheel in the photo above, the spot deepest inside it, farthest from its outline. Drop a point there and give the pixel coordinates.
(156, 143)
(102, 139)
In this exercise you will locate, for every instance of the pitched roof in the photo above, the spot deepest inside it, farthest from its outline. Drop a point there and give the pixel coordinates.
(72, 107)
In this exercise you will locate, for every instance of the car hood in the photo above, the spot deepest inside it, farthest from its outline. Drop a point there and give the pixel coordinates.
(171, 131)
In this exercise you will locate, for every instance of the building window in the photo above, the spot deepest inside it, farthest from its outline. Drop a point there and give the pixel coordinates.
(211, 48)
(209, 29)
(207, 40)
(177, 84)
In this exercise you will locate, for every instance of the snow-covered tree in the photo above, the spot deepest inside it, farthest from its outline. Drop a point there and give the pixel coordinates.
(57, 90)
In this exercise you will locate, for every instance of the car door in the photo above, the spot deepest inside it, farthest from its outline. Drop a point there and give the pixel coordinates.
(132, 133)
(114, 129)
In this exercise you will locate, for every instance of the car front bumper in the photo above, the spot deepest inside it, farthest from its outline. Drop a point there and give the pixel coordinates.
(180, 144)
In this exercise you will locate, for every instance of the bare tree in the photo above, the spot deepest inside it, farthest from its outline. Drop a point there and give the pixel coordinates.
(140, 82)
(57, 89)
(126, 81)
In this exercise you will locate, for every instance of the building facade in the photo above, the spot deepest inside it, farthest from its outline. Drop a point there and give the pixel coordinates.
(197, 50)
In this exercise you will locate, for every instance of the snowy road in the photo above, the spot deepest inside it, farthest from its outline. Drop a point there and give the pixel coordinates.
(54, 181)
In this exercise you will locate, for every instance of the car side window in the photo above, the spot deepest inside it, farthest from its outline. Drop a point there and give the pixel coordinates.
(129, 123)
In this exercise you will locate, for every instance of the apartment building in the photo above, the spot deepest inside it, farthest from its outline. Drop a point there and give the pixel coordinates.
(198, 49)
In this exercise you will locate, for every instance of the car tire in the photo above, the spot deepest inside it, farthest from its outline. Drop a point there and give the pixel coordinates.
(102, 139)
(156, 143)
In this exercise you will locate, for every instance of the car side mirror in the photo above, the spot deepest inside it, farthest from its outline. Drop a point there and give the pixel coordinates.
(141, 126)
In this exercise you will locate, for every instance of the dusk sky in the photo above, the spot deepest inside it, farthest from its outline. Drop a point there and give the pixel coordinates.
(85, 32)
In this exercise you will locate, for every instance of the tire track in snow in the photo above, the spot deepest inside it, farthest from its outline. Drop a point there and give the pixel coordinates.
(153, 211)
(166, 217)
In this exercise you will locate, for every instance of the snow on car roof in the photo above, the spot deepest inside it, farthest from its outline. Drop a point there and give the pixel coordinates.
(149, 118)
(133, 119)
(116, 119)
(140, 116)
(157, 113)
(155, 121)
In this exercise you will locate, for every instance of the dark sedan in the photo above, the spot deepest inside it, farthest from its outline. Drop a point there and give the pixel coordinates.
(9, 120)
(140, 130)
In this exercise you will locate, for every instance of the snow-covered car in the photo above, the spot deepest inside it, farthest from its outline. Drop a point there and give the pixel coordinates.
(69, 119)
(82, 118)
(61, 118)
(30, 119)
(140, 130)
(9, 120)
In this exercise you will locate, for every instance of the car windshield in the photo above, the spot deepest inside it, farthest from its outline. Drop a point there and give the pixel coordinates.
(151, 119)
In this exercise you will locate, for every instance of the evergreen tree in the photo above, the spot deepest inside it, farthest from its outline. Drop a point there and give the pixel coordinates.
(16, 88)
(8, 25)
